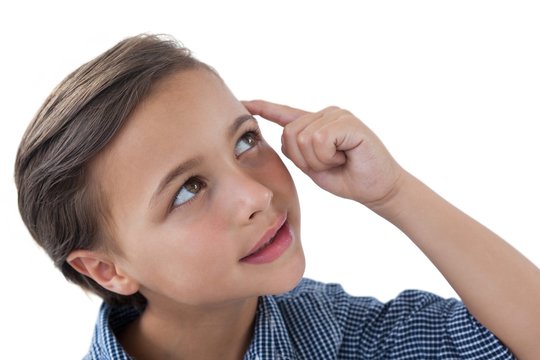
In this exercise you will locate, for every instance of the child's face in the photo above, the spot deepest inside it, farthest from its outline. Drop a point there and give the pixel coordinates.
(191, 191)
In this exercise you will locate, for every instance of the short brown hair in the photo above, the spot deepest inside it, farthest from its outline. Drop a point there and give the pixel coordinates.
(78, 119)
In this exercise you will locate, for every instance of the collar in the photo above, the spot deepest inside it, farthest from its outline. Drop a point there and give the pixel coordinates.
(270, 339)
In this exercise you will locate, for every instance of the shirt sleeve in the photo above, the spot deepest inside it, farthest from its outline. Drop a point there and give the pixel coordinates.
(414, 325)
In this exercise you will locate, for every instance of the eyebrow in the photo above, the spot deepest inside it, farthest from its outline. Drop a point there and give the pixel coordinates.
(186, 166)
(238, 122)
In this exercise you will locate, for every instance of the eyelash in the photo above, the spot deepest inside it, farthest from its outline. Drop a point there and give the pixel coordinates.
(190, 179)
(255, 132)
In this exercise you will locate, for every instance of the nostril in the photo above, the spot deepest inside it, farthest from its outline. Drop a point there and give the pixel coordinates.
(262, 204)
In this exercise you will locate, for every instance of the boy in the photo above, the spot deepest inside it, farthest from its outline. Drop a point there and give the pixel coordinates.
(148, 183)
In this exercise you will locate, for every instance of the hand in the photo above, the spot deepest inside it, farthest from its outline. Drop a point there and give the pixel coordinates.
(336, 150)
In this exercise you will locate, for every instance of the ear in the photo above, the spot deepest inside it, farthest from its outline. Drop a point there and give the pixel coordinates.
(103, 270)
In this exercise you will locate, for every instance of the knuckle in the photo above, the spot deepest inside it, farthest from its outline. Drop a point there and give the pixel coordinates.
(288, 131)
(318, 167)
(319, 137)
(331, 108)
(344, 114)
(303, 139)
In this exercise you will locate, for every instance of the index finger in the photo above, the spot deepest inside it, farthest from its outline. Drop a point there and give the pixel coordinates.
(279, 114)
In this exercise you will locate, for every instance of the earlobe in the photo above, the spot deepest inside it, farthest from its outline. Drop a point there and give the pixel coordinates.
(102, 270)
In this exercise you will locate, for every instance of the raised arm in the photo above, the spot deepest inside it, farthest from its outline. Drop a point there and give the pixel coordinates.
(500, 287)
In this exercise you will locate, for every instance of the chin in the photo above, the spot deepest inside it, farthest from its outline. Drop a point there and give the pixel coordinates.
(289, 277)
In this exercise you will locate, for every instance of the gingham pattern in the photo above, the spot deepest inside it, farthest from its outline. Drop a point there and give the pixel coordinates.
(321, 321)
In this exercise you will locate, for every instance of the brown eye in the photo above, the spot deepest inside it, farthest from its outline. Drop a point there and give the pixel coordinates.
(193, 186)
(250, 139)
(246, 142)
(188, 191)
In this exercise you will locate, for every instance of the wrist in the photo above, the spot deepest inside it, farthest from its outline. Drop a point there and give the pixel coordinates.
(398, 199)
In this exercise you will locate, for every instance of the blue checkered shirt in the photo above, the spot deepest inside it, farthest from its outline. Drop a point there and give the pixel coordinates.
(321, 321)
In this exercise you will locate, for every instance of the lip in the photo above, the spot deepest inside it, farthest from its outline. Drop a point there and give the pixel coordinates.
(272, 244)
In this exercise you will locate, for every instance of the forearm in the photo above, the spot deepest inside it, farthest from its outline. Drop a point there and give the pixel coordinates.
(500, 286)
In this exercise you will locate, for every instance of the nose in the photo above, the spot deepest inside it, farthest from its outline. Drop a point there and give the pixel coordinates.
(248, 196)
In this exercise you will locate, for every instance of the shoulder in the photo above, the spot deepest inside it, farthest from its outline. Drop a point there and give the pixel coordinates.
(328, 299)
(333, 299)
(308, 288)
(416, 321)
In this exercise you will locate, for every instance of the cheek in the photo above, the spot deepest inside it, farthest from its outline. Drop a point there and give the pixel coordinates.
(178, 259)
(276, 175)
(278, 178)
(178, 241)
(193, 242)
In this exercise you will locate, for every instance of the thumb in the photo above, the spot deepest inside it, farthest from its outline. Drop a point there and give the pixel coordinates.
(279, 114)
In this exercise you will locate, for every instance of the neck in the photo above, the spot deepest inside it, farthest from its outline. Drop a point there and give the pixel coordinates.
(186, 332)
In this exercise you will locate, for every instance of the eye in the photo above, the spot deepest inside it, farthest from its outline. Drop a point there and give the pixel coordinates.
(247, 141)
(188, 191)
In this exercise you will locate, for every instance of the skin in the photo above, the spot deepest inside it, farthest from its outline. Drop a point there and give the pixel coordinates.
(185, 258)
(500, 287)
(340, 154)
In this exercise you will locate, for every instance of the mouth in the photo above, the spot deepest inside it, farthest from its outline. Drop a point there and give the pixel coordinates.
(272, 245)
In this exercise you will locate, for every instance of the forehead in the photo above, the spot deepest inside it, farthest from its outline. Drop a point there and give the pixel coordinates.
(187, 101)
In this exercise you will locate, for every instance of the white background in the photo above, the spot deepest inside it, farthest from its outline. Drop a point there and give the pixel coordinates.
(452, 88)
